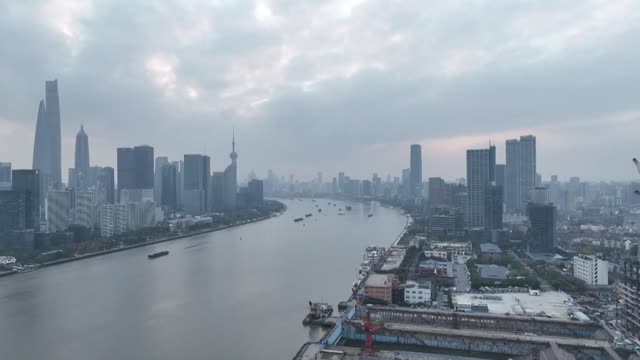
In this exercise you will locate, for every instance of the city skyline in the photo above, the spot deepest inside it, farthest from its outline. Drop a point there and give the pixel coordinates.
(339, 104)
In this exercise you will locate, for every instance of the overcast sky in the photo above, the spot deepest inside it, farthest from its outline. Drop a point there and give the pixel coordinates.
(316, 85)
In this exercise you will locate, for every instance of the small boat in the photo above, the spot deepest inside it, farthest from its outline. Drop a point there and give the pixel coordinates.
(158, 254)
(319, 210)
(348, 208)
(307, 215)
(298, 219)
(370, 215)
(341, 214)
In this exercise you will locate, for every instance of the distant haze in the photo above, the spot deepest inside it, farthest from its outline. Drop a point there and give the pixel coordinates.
(329, 85)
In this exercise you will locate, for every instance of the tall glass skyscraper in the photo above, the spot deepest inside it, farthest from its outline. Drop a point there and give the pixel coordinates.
(520, 172)
(46, 147)
(481, 165)
(415, 180)
(82, 151)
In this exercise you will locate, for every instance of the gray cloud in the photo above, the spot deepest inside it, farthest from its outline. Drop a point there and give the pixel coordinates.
(327, 85)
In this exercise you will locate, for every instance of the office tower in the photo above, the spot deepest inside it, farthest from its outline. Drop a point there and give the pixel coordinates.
(493, 207)
(157, 182)
(480, 172)
(82, 150)
(255, 193)
(196, 183)
(5, 175)
(406, 181)
(179, 181)
(538, 181)
(169, 180)
(415, 182)
(144, 166)
(520, 171)
(135, 168)
(106, 182)
(231, 179)
(84, 204)
(12, 211)
(217, 191)
(436, 191)
(126, 165)
(541, 235)
(28, 182)
(47, 148)
(500, 175)
(58, 210)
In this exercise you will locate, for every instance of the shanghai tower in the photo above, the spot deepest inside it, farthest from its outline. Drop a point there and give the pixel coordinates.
(47, 148)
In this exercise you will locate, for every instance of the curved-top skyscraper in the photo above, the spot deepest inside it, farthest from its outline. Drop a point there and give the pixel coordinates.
(47, 148)
(82, 151)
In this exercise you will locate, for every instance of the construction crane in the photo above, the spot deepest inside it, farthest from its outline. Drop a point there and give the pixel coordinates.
(369, 327)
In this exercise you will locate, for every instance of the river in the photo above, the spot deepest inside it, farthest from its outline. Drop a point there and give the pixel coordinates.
(239, 293)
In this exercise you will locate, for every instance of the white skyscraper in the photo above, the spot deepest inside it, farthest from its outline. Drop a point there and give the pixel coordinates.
(58, 210)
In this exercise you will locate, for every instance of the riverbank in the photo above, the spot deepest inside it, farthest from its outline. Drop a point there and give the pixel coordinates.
(146, 243)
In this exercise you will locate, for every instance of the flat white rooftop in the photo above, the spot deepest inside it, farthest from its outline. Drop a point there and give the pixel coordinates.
(553, 303)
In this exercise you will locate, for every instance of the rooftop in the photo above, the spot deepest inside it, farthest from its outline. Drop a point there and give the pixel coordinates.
(552, 303)
(379, 280)
(490, 248)
(492, 271)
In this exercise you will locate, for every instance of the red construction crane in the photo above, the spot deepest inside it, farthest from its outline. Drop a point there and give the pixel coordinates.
(369, 346)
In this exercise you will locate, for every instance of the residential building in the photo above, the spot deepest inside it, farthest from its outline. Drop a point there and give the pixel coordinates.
(541, 235)
(85, 208)
(493, 206)
(59, 215)
(591, 269)
(437, 191)
(113, 219)
(106, 183)
(415, 293)
(628, 304)
(480, 172)
(380, 286)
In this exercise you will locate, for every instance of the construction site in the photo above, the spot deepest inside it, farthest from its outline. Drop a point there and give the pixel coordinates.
(370, 332)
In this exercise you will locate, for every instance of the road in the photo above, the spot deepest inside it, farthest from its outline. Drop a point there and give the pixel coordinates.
(461, 280)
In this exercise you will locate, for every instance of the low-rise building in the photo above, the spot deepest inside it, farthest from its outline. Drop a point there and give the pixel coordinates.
(490, 249)
(492, 272)
(380, 286)
(591, 270)
(436, 266)
(415, 293)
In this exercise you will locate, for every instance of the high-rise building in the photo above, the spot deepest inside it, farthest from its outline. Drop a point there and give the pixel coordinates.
(106, 182)
(255, 193)
(493, 207)
(231, 179)
(591, 269)
(28, 182)
(196, 177)
(500, 175)
(82, 162)
(436, 191)
(481, 165)
(541, 236)
(47, 147)
(520, 172)
(59, 213)
(157, 182)
(406, 181)
(12, 211)
(5, 176)
(144, 166)
(113, 219)
(135, 168)
(415, 182)
(540, 195)
(366, 188)
(341, 181)
(84, 208)
(217, 191)
(169, 180)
